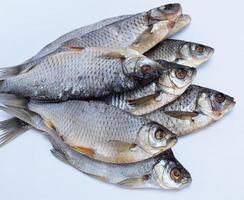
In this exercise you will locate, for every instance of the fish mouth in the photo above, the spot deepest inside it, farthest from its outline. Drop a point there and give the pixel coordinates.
(172, 141)
(212, 50)
(220, 115)
(230, 107)
(185, 182)
(210, 53)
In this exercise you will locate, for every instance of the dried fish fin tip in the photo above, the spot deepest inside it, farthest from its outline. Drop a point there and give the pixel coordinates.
(11, 129)
(113, 55)
(84, 150)
(182, 115)
(13, 100)
(9, 72)
(144, 100)
(59, 155)
(27, 69)
(74, 48)
(57, 150)
(133, 182)
(119, 53)
(101, 178)
(49, 124)
(122, 146)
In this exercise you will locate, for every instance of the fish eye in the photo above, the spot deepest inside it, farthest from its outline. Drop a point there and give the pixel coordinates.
(219, 98)
(146, 177)
(176, 175)
(145, 69)
(181, 73)
(160, 134)
(200, 49)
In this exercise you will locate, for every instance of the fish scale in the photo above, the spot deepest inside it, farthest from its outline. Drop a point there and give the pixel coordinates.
(121, 31)
(100, 131)
(115, 36)
(193, 111)
(90, 127)
(77, 74)
(166, 50)
(75, 33)
(186, 102)
(156, 94)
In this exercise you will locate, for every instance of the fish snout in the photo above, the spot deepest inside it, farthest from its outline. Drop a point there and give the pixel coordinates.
(172, 140)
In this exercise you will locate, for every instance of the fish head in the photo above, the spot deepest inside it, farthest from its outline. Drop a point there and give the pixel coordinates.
(166, 12)
(170, 174)
(141, 69)
(214, 104)
(175, 79)
(193, 54)
(154, 138)
(159, 22)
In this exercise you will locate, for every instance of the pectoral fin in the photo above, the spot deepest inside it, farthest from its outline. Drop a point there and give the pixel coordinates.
(101, 178)
(122, 146)
(119, 53)
(144, 101)
(182, 115)
(134, 182)
(74, 48)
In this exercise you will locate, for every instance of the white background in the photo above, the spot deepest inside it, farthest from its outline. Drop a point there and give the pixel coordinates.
(214, 156)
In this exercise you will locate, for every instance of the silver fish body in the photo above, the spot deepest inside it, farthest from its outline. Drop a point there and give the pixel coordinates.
(183, 21)
(181, 52)
(100, 131)
(161, 172)
(74, 34)
(156, 172)
(120, 31)
(140, 32)
(82, 73)
(172, 83)
(197, 108)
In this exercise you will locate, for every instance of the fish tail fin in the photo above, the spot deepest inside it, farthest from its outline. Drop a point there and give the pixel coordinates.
(11, 129)
(13, 100)
(10, 72)
(18, 107)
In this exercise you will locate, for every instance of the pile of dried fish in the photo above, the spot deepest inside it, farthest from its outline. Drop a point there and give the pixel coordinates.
(114, 96)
